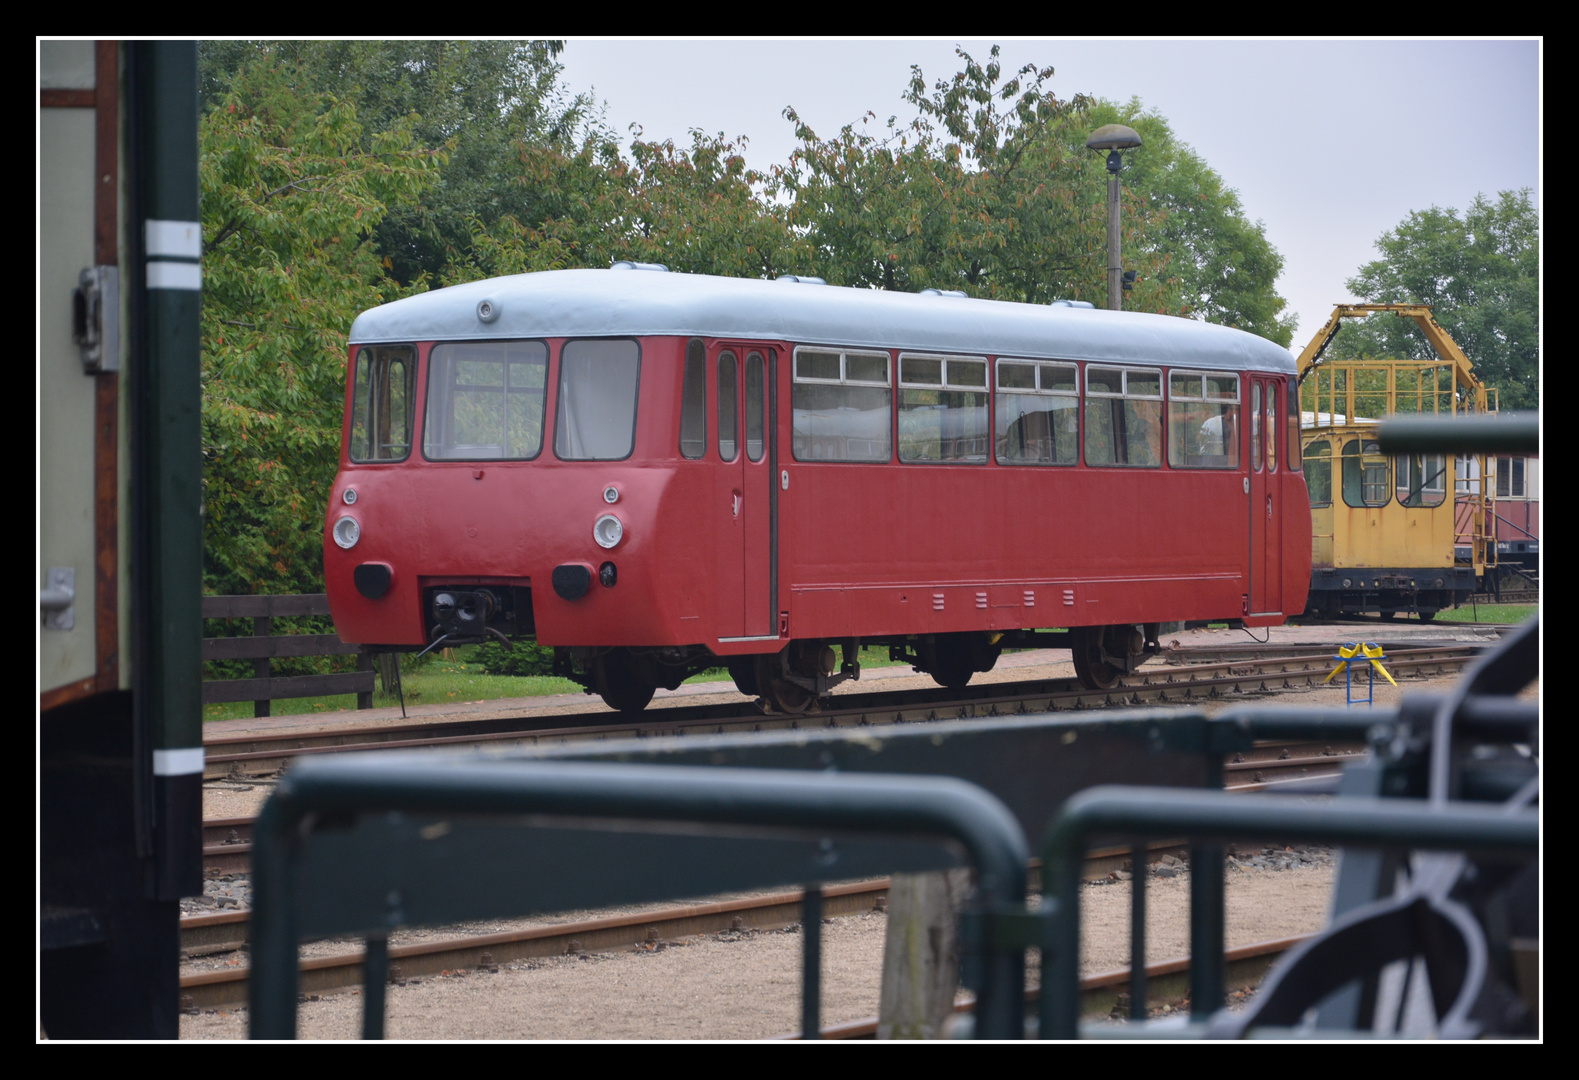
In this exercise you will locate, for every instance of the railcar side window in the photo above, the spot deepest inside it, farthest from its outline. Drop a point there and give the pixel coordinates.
(1422, 479)
(1364, 474)
(942, 408)
(596, 418)
(1318, 472)
(1038, 413)
(485, 401)
(1255, 426)
(1123, 416)
(693, 402)
(1293, 432)
(1271, 426)
(381, 403)
(1203, 420)
(756, 406)
(1510, 477)
(1466, 475)
(843, 406)
(728, 407)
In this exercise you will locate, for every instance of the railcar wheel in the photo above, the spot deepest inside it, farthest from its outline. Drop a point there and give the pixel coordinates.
(1427, 616)
(951, 669)
(1086, 650)
(621, 682)
(780, 694)
(1386, 616)
(743, 669)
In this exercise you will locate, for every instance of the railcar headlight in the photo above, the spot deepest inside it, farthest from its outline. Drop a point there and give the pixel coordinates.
(347, 532)
(608, 531)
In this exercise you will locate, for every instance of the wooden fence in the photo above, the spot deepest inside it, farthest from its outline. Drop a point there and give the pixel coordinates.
(263, 646)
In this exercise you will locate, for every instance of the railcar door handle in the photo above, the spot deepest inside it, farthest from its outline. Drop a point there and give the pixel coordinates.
(737, 504)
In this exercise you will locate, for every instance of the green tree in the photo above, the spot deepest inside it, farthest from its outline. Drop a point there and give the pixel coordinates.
(1479, 272)
(477, 101)
(1218, 265)
(992, 191)
(290, 199)
(979, 193)
(697, 210)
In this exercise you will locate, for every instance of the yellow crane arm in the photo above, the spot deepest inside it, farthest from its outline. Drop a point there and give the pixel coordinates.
(1439, 338)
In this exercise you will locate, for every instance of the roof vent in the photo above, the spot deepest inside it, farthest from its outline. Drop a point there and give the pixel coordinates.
(625, 265)
(1072, 303)
(802, 278)
(943, 292)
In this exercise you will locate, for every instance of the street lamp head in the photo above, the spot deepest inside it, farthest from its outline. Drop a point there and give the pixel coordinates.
(1115, 139)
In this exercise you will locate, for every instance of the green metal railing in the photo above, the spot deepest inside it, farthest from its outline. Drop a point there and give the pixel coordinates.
(383, 880)
(1393, 824)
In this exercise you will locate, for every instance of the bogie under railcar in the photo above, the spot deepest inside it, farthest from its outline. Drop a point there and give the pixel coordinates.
(660, 473)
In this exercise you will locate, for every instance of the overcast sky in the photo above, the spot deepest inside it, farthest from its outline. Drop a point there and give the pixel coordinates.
(1329, 143)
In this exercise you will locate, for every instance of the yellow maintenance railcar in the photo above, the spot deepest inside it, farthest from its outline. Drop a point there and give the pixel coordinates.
(1411, 533)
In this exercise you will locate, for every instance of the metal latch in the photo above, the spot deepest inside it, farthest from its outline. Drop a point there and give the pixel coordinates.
(56, 599)
(96, 318)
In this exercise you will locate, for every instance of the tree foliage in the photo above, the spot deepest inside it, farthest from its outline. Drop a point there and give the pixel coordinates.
(1218, 265)
(476, 101)
(979, 193)
(1479, 272)
(697, 210)
(290, 200)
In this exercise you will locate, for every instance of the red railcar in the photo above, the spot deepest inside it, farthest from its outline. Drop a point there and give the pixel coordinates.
(657, 472)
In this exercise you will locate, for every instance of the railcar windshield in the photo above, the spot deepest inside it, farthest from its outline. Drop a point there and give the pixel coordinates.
(1365, 474)
(485, 401)
(1318, 472)
(1421, 479)
(596, 418)
(381, 403)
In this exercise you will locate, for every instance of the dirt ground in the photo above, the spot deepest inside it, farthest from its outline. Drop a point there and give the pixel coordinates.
(747, 986)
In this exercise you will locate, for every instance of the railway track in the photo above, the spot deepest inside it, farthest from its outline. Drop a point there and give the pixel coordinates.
(226, 931)
(227, 842)
(1155, 684)
(1167, 982)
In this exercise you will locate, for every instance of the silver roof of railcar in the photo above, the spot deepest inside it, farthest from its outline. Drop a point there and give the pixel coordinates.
(621, 302)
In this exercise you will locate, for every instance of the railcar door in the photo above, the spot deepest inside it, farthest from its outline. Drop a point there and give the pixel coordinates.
(1266, 532)
(743, 502)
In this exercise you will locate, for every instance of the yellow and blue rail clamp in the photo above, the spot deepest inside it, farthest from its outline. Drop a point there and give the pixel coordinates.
(1369, 656)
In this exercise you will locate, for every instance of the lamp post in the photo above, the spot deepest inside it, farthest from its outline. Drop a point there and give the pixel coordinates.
(1115, 139)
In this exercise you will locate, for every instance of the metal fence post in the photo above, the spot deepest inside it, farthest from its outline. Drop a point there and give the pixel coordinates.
(811, 963)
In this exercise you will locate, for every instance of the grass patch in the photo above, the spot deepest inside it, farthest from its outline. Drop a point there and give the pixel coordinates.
(1489, 613)
(437, 680)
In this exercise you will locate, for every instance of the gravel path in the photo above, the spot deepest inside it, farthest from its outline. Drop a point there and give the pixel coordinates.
(746, 985)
